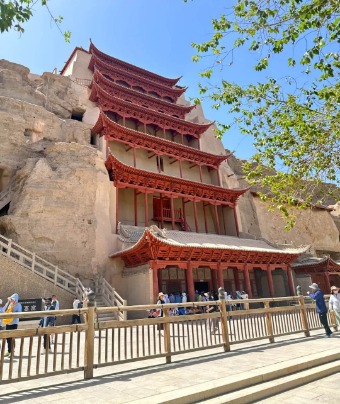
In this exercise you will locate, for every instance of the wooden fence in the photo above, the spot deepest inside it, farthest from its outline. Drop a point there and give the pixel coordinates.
(93, 344)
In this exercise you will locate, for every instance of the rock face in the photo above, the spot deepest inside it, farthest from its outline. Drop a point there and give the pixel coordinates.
(57, 175)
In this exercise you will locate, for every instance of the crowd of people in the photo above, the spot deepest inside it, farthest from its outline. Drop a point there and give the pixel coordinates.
(182, 297)
(177, 297)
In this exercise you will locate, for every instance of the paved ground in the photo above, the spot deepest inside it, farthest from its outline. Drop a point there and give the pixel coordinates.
(139, 381)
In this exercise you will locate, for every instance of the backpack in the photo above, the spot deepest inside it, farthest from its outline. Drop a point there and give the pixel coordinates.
(80, 305)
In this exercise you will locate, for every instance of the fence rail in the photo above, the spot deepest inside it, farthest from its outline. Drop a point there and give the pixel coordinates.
(91, 344)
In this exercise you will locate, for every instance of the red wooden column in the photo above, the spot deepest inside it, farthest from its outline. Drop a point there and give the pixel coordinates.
(184, 214)
(205, 218)
(180, 168)
(247, 281)
(146, 209)
(270, 282)
(134, 156)
(195, 215)
(190, 282)
(155, 285)
(217, 221)
(161, 207)
(136, 207)
(215, 285)
(172, 212)
(236, 221)
(200, 168)
(328, 284)
(220, 275)
(237, 279)
(290, 281)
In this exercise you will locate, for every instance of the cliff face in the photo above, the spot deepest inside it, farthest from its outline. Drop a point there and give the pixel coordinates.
(54, 172)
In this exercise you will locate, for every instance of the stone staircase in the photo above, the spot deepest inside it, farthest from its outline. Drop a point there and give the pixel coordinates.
(260, 383)
(100, 302)
(106, 294)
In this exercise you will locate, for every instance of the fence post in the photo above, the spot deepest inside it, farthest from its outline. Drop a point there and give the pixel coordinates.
(89, 340)
(167, 345)
(224, 320)
(303, 314)
(269, 322)
(333, 322)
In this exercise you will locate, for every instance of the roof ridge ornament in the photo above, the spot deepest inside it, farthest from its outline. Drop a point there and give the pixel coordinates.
(156, 231)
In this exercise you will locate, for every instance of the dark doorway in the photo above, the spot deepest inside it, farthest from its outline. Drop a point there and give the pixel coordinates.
(202, 286)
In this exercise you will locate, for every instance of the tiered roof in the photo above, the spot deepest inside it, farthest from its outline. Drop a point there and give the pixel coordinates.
(108, 102)
(127, 67)
(125, 176)
(140, 98)
(174, 247)
(134, 80)
(113, 131)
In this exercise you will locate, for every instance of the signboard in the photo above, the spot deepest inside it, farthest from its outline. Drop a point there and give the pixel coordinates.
(31, 305)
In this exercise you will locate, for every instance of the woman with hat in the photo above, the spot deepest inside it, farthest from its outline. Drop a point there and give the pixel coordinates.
(334, 303)
(321, 307)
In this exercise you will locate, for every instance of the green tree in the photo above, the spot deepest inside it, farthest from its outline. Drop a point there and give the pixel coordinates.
(14, 13)
(294, 120)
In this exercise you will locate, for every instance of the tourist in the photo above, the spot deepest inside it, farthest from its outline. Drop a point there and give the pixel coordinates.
(321, 308)
(182, 310)
(160, 301)
(238, 296)
(12, 306)
(244, 295)
(334, 303)
(76, 305)
(48, 321)
(56, 305)
(166, 299)
(213, 321)
(55, 302)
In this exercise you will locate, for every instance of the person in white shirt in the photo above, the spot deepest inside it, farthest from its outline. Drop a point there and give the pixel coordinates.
(334, 303)
(76, 305)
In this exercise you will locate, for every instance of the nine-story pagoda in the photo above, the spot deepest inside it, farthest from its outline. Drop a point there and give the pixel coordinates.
(175, 216)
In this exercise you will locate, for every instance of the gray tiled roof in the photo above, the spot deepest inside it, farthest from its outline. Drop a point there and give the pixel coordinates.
(131, 234)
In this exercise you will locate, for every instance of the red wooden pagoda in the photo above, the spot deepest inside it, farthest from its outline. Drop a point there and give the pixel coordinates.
(164, 178)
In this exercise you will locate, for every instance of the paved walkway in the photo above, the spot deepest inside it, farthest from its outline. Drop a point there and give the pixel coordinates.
(138, 382)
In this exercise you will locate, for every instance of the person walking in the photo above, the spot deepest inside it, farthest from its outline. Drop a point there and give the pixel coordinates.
(48, 321)
(321, 308)
(76, 305)
(12, 306)
(334, 303)
(160, 301)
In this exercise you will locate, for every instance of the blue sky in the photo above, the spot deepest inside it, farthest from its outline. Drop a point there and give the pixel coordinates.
(153, 34)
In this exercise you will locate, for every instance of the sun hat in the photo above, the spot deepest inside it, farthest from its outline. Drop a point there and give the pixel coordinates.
(314, 286)
(206, 294)
(334, 288)
(160, 294)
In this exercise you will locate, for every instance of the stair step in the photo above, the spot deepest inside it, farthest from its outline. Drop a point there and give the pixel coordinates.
(254, 385)
(274, 387)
